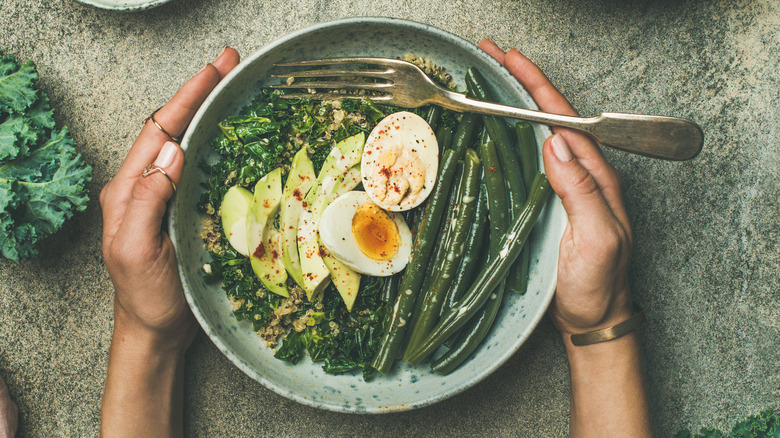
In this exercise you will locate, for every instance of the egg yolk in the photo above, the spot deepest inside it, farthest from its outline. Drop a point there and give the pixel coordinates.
(375, 232)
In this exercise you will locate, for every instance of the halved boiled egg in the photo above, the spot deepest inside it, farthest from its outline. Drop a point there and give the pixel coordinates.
(365, 237)
(400, 161)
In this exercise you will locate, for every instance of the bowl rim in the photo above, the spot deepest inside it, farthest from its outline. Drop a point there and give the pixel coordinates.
(533, 319)
(128, 6)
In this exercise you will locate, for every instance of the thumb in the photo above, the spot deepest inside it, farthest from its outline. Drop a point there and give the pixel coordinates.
(149, 196)
(580, 194)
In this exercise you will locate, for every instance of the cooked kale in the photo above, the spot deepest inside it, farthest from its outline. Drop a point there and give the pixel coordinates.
(344, 341)
(241, 284)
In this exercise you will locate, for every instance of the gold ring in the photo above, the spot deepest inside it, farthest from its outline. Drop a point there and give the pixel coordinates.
(151, 168)
(151, 117)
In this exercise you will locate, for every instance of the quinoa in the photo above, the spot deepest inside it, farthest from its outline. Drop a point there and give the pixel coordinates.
(435, 72)
(212, 234)
(299, 324)
(280, 322)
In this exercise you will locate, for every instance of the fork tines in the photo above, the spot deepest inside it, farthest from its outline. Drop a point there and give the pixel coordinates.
(349, 79)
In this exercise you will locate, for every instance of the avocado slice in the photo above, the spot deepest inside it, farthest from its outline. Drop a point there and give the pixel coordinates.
(299, 181)
(346, 280)
(352, 178)
(264, 242)
(315, 273)
(233, 211)
(345, 155)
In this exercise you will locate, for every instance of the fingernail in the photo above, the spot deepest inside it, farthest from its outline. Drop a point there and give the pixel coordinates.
(166, 155)
(203, 68)
(561, 149)
(222, 52)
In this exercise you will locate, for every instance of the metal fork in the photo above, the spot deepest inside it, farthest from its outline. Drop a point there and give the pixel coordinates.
(403, 84)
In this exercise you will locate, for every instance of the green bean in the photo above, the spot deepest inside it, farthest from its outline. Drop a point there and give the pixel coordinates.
(412, 279)
(472, 252)
(526, 147)
(444, 227)
(464, 135)
(500, 134)
(491, 275)
(390, 288)
(453, 252)
(498, 210)
(444, 137)
(417, 218)
(484, 136)
(433, 116)
(471, 336)
(517, 281)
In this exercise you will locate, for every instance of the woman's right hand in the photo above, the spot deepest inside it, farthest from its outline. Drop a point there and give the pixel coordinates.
(595, 250)
(608, 395)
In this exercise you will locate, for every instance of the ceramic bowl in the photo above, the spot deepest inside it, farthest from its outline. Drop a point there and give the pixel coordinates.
(123, 5)
(406, 387)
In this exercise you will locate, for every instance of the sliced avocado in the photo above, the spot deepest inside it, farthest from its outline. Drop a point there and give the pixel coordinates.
(315, 273)
(299, 181)
(264, 241)
(351, 180)
(233, 211)
(346, 280)
(342, 158)
(345, 155)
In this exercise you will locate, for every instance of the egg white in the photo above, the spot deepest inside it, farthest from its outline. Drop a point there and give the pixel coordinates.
(336, 237)
(410, 133)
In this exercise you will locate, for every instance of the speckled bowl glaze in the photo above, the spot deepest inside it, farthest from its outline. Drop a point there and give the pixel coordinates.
(406, 387)
(123, 5)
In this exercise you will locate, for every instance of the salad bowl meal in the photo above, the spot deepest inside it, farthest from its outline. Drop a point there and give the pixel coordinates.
(359, 257)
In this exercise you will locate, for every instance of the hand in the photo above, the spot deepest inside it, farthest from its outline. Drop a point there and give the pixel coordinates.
(9, 414)
(608, 395)
(149, 302)
(595, 250)
(152, 324)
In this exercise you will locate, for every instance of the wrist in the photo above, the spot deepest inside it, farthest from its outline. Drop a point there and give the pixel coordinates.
(588, 317)
(608, 395)
(138, 339)
(144, 379)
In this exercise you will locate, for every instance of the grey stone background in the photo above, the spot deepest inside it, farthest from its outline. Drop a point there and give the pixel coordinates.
(705, 268)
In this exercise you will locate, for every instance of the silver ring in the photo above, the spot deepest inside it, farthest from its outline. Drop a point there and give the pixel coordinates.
(151, 168)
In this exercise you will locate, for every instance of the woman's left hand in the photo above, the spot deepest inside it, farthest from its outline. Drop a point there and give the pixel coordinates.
(9, 414)
(150, 304)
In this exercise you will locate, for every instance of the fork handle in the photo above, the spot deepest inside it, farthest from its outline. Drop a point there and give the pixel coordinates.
(668, 138)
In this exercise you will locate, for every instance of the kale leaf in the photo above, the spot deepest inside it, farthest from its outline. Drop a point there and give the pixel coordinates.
(42, 176)
(764, 425)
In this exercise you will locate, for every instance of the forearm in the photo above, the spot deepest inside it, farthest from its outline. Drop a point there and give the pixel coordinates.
(144, 388)
(608, 395)
(9, 414)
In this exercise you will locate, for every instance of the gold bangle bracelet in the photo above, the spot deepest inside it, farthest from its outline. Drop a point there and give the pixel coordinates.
(613, 332)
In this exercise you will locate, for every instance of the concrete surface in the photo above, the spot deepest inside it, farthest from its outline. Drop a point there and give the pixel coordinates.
(706, 264)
